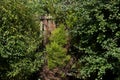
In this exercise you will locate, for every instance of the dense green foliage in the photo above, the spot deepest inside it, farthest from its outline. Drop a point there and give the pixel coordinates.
(92, 25)
(57, 56)
(19, 38)
(96, 39)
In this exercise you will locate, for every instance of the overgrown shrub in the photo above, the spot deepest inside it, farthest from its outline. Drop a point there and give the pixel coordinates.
(19, 39)
(96, 35)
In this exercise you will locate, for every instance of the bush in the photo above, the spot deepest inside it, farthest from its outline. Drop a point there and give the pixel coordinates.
(19, 38)
(57, 56)
(96, 39)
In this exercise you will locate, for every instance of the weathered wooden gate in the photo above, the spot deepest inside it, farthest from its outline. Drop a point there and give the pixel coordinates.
(47, 25)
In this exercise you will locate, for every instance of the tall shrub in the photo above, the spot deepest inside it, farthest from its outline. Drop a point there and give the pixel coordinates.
(96, 39)
(57, 53)
(19, 38)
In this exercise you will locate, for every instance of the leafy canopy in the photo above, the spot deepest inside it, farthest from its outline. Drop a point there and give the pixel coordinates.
(19, 38)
